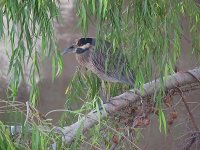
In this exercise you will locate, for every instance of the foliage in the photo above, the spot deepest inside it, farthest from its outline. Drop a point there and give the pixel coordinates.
(5, 140)
(148, 32)
(27, 25)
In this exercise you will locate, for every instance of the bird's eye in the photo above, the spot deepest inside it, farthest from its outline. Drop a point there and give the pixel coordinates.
(80, 44)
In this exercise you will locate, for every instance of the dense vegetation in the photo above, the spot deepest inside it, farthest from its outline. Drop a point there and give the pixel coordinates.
(149, 31)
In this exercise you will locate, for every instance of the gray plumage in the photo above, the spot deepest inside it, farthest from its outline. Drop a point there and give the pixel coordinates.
(103, 62)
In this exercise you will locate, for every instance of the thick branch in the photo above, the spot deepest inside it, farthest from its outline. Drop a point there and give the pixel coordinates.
(127, 98)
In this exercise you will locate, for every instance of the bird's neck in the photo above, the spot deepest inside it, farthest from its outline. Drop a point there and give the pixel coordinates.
(83, 58)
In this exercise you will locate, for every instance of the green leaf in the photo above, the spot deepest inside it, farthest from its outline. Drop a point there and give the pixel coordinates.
(1, 23)
(100, 8)
(53, 68)
(162, 121)
(93, 6)
(105, 3)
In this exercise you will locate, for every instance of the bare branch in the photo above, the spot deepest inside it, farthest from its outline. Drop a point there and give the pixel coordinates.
(127, 98)
(27, 113)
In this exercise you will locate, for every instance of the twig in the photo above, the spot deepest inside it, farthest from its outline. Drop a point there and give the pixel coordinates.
(27, 113)
(188, 109)
(194, 136)
(184, 120)
(60, 110)
(123, 100)
(127, 98)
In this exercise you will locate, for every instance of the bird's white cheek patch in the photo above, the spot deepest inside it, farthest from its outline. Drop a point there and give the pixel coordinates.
(85, 46)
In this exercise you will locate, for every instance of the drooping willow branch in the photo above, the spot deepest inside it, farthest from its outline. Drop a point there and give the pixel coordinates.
(119, 102)
(127, 98)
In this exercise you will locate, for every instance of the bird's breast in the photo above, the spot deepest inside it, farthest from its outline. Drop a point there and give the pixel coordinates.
(83, 58)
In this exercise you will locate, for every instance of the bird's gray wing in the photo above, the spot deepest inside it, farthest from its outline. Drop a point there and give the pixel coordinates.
(113, 64)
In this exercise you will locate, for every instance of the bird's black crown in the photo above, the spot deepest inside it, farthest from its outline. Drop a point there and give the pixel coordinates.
(83, 41)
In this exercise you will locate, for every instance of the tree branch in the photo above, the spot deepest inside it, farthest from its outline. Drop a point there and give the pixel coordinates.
(127, 98)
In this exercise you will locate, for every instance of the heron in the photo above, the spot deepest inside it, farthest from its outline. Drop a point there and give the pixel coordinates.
(102, 60)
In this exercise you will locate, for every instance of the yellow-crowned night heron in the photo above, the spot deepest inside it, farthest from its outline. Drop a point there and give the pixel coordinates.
(104, 62)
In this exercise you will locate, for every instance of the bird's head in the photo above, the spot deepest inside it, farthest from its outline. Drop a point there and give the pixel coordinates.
(80, 46)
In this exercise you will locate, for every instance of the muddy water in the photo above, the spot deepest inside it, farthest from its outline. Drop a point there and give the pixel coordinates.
(52, 93)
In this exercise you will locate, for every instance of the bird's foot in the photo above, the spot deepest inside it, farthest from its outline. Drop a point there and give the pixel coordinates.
(103, 98)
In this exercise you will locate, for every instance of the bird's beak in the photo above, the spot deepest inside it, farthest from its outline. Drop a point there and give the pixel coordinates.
(68, 50)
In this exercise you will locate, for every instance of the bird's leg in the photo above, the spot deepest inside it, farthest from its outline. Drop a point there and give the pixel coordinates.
(108, 93)
(103, 89)
(105, 95)
(102, 94)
